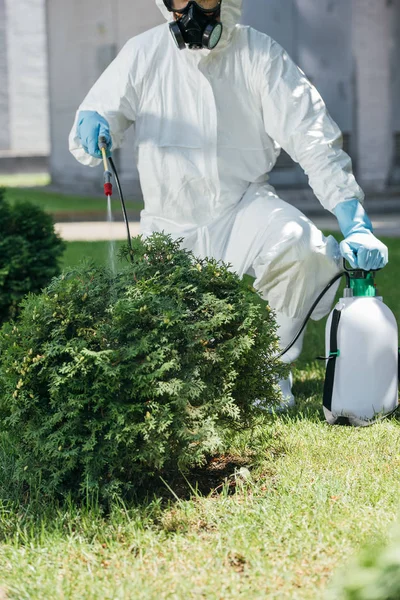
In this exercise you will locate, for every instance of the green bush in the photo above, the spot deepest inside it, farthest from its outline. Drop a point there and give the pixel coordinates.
(375, 575)
(29, 253)
(105, 379)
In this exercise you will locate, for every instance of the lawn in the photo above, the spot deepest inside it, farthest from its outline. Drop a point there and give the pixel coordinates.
(24, 180)
(312, 496)
(95, 251)
(63, 206)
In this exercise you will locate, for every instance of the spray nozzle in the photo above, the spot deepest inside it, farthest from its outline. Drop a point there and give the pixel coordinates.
(102, 142)
(108, 189)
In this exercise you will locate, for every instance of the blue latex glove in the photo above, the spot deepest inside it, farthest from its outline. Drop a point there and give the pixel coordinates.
(360, 247)
(90, 126)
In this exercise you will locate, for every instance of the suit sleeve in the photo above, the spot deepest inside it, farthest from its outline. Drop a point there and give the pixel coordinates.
(296, 117)
(115, 98)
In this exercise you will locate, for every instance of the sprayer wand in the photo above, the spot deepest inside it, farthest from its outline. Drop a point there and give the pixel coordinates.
(108, 188)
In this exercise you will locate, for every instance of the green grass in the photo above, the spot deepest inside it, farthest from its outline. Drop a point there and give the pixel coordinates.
(24, 180)
(62, 205)
(95, 251)
(316, 494)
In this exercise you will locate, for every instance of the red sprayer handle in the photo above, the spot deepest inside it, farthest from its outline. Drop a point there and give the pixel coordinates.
(108, 190)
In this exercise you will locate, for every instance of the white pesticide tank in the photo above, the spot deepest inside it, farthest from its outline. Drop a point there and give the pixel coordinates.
(362, 371)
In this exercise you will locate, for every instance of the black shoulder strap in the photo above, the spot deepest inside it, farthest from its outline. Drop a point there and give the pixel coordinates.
(333, 355)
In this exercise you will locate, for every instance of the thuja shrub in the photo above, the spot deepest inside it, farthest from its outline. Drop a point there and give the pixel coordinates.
(103, 380)
(29, 253)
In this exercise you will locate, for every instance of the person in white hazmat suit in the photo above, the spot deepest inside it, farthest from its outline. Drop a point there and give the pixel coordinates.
(211, 108)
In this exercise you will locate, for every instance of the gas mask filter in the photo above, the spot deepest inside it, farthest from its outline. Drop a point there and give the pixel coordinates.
(196, 27)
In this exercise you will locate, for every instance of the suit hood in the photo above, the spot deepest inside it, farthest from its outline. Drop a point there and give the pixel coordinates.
(231, 13)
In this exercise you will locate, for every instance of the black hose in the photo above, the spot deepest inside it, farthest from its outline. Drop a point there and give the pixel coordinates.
(314, 306)
(121, 195)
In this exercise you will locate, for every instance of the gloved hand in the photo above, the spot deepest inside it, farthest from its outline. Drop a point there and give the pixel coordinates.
(90, 126)
(360, 247)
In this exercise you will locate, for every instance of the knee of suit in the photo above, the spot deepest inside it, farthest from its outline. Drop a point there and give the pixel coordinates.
(292, 275)
(302, 236)
(294, 353)
(288, 328)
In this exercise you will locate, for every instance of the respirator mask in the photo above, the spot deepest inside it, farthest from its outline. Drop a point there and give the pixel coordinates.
(197, 26)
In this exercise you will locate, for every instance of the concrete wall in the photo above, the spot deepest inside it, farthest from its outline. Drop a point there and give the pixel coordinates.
(4, 104)
(24, 120)
(275, 17)
(373, 41)
(395, 108)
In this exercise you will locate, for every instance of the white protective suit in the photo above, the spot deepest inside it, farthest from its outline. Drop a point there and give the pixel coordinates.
(209, 126)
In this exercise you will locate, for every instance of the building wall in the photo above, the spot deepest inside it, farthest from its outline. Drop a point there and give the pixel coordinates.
(24, 97)
(373, 41)
(395, 96)
(4, 104)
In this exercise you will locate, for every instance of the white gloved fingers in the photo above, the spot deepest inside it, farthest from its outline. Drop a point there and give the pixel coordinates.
(364, 251)
(379, 257)
(348, 254)
(375, 260)
(370, 260)
(384, 256)
(378, 260)
(381, 260)
(364, 258)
